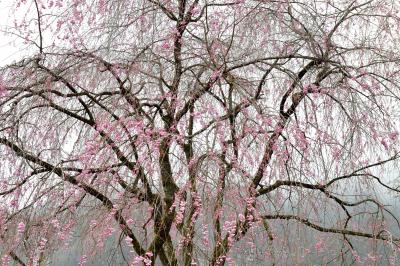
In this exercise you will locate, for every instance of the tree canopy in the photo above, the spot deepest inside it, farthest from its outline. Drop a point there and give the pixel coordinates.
(202, 131)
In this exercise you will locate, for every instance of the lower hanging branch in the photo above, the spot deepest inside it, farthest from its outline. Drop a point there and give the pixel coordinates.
(380, 235)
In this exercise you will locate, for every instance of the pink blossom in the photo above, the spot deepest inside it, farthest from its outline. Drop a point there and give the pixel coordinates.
(319, 246)
(230, 262)
(3, 88)
(179, 213)
(147, 261)
(149, 254)
(137, 260)
(215, 75)
(372, 258)
(42, 243)
(128, 241)
(310, 88)
(21, 227)
(5, 260)
(165, 45)
(195, 10)
(83, 260)
(215, 25)
(384, 143)
(394, 135)
(205, 235)
(55, 223)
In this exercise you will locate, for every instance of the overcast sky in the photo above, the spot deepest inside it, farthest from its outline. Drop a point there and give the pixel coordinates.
(8, 50)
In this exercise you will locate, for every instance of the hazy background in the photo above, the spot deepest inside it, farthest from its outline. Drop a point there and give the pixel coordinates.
(8, 42)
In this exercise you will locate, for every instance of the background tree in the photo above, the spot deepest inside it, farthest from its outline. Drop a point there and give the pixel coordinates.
(197, 131)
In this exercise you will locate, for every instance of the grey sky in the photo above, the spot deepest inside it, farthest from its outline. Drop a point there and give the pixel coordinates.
(8, 43)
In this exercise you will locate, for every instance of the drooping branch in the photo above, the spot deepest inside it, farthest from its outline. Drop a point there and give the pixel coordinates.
(39, 19)
(90, 190)
(380, 235)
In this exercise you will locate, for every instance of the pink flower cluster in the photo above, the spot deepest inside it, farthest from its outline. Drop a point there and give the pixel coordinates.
(179, 214)
(3, 89)
(21, 228)
(146, 259)
(230, 228)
